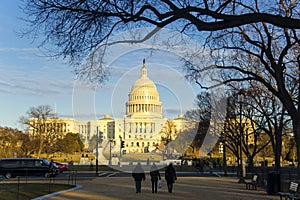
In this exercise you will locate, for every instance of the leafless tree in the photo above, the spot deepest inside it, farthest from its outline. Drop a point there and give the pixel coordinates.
(210, 112)
(263, 53)
(42, 134)
(203, 108)
(270, 117)
(181, 143)
(252, 126)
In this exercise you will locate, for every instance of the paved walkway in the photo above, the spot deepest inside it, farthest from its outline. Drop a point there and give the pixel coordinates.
(117, 188)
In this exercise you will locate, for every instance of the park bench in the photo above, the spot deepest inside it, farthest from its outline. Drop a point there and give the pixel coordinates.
(292, 193)
(253, 183)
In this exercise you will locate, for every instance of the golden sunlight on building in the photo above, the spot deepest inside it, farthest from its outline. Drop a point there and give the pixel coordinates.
(141, 128)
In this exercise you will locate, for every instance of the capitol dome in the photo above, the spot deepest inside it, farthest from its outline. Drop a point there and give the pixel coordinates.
(143, 83)
(144, 98)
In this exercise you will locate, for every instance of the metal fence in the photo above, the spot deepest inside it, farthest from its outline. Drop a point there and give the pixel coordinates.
(17, 185)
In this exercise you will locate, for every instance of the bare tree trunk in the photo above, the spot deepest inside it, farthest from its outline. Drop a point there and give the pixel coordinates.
(41, 144)
(297, 123)
(278, 149)
(297, 140)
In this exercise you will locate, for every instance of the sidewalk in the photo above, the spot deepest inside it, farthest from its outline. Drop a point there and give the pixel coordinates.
(117, 188)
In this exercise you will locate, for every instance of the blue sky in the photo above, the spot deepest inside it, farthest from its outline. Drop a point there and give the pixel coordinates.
(29, 78)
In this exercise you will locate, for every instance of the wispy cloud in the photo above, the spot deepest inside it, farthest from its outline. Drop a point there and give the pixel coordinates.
(14, 49)
(40, 86)
(3, 90)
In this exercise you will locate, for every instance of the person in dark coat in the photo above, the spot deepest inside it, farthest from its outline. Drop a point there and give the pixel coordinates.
(170, 176)
(138, 174)
(155, 176)
(51, 166)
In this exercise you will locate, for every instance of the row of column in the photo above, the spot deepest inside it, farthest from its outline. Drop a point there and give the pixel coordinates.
(133, 108)
(142, 97)
(140, 127)
(83, 128)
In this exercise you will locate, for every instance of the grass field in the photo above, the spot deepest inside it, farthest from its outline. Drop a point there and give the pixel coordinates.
(24, 191)
(134, 157)
(65, 158)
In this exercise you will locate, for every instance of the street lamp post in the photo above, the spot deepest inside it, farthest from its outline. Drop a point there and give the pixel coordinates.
(224, 159)
(222, 150)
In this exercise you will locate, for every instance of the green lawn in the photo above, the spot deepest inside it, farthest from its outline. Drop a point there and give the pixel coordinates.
(24, 191)
(134, 157)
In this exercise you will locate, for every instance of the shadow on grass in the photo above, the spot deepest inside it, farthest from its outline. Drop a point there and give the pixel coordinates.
(24, 191)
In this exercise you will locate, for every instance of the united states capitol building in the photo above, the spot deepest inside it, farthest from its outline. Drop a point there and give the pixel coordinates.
(142, 127)
(143, 124)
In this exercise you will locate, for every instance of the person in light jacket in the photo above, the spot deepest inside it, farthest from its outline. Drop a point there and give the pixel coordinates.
(138, 175)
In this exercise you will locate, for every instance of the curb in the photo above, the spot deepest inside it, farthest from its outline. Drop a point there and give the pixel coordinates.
(57, 193)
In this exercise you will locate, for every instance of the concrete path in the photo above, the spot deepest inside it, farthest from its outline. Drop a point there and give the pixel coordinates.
(206, 188)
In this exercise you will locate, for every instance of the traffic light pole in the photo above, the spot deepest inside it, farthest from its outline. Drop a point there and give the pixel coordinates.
(121, 146)
(110, 141)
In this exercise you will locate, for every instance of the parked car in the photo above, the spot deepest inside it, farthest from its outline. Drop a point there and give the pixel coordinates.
(12, 167)
(62, 167)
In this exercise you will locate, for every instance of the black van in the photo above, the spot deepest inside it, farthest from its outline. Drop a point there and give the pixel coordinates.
(12, 167)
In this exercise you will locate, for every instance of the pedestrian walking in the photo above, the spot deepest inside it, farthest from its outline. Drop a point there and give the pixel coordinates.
(71, 163)
(155, 176)
(138, 175)
(51, 166)
(170, 176)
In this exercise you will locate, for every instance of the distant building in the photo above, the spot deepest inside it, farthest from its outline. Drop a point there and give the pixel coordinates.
(61, 126)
